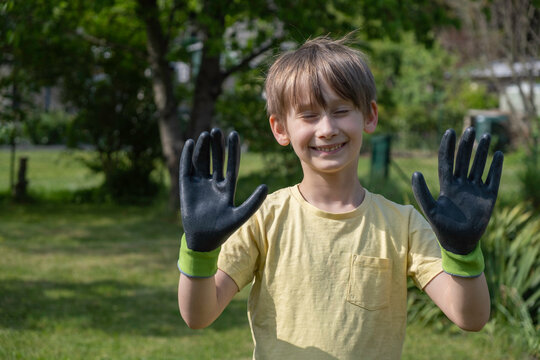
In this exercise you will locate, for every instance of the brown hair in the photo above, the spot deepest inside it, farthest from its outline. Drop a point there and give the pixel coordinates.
(319, 60)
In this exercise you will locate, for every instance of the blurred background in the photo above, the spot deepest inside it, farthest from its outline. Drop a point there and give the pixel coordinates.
(98, 97)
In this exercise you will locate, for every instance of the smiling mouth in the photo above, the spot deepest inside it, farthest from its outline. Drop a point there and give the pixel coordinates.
(329, 148)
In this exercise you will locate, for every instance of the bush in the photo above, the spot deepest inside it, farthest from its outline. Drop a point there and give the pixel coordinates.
(511, 249)
(48, 128)
(530, 175)
(127, 176)
(530, 178)
(117, 116)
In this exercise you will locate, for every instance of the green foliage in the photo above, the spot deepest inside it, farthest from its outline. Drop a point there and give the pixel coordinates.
(121, 124)
(103, 82)
(530, 175)
(47, 128)
(70, 43)
(393, 18)
(473, 96)
(419, 93)
(511, 249)
(127, 178)
(9, 131)
(243, 109)
(530, 178)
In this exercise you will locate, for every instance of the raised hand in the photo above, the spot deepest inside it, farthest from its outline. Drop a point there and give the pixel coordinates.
(207, 200)
(462, 211)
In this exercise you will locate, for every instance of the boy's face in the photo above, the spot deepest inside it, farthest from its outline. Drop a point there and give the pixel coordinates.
(326, 139)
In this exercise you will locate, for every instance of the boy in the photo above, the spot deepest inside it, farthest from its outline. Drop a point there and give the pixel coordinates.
(327, 259)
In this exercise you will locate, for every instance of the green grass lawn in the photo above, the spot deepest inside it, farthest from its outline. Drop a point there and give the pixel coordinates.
(51, 170)
(99, 282)
(94, 281)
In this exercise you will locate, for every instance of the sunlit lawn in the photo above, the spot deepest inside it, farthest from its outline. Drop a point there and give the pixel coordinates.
(50, 170)
(97, 281)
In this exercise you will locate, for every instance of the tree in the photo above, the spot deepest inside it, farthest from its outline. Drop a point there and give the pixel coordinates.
(60, 43)
(416, 91)
(15, 82)
(507, 33)
(219, 40)
(235, 35)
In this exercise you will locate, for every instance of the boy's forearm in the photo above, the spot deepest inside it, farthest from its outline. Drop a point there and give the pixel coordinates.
(471, 301)
(202, 300)
(464, 300)
(197, 301)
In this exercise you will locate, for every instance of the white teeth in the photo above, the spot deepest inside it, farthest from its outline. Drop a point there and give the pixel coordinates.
(327, 148)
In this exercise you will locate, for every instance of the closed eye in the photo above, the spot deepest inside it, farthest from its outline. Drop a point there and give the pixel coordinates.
(308, 115)
(341, 112)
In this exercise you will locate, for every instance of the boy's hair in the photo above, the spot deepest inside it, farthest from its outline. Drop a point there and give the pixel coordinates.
(319, 60)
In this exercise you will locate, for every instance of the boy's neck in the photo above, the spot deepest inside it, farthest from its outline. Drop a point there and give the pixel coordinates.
(333, 193)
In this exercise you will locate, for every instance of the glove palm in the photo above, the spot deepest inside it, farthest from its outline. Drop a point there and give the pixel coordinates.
(462, 211)
(207, 200)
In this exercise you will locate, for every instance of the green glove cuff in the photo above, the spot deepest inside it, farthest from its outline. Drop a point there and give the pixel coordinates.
(470, 265)
(195, 263)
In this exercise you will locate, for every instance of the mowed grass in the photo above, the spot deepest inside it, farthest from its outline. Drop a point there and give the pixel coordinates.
(93, 281)
(50, 171)
(99, 282)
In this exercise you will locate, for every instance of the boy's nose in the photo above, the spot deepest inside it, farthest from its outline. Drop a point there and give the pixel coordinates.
(327, 127)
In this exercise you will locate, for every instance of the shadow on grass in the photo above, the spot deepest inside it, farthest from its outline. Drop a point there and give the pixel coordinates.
(109, 306)
(69, 224)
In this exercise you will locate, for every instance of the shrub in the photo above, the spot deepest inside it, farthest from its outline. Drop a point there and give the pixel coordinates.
(530, 177)
(47, 128)
(511, 249)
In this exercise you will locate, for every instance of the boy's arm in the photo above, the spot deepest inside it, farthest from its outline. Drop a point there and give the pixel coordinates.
(465, 301)
(459, 217)
(217, 292)
(209, 217)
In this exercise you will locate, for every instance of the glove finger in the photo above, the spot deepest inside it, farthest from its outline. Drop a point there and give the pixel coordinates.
(186, 171)
(201, 157)
(495, 171)
(233, 161)
(422, 194)
(217, 154)
(186, 165)
(480, 159)
(464, 153)
(446, 158)
(248, 208)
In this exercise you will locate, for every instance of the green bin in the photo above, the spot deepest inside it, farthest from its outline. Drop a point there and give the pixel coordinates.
(496, 125)
(380, 156)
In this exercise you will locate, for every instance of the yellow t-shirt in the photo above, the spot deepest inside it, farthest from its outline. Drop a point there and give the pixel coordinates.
(330, 286)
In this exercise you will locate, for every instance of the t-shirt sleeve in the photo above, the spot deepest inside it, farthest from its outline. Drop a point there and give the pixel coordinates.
(240, 255)
(424, 258)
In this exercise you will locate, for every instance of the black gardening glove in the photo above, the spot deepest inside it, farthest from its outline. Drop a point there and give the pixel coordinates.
(209, 216)
(461, 214)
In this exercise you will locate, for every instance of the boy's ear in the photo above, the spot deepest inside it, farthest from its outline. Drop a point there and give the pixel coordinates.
(279, 130)
(370, 123)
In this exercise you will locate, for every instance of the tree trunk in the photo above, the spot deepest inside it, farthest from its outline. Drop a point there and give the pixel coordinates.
(208, 87)
(171, 136)
(210, 78)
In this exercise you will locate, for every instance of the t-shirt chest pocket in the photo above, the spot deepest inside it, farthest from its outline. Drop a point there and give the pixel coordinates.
(369, 282)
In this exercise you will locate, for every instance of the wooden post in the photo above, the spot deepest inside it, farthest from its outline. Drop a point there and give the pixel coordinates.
(22, 182)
